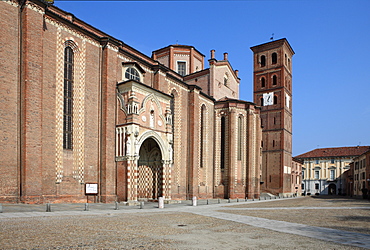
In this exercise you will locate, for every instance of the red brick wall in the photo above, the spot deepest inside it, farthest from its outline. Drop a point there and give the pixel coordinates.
(9, 100)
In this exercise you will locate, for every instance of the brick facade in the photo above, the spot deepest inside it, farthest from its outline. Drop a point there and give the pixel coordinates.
(140, 129)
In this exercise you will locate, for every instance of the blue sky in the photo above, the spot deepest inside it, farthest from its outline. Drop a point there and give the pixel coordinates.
(331, 39)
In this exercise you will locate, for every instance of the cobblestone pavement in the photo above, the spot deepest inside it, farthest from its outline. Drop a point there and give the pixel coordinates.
(298, 223)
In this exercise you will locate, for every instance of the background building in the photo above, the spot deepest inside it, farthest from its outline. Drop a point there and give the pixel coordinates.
(81, 107)
(360, 173)
(323, 169)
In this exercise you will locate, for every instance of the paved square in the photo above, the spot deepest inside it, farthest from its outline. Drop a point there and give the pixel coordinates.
(299, 223)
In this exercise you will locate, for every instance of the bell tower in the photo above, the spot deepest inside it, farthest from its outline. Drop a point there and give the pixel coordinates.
(272, 81)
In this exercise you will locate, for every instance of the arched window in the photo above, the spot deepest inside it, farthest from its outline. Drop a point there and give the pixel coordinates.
(288, 63)
(132, 74)
(274, 58)
(263, 61)
(68, 98)
(263, 82)
(240, 138)
(274, 80)
(275, 99)
(203, 138)
(286, 60)
(223, 141)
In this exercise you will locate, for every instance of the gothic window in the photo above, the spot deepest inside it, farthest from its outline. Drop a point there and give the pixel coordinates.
(181, 68)
(274, 80)
(240, 138)
(223, 141)
(263, 82)
(263, 61)
(202, 135)
(274, 58)
(132, 74)
(68, 98)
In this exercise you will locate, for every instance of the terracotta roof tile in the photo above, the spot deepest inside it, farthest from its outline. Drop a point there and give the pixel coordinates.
(335, 152)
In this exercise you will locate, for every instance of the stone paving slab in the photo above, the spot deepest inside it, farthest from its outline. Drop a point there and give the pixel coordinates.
(327, 234)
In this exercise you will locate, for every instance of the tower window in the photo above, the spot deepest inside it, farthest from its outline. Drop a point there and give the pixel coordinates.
(263, 61)
(274, 58)
(132, 74)
(263, 82)
(275, 99)
(68, 98)
(181, 68)
(274, 80)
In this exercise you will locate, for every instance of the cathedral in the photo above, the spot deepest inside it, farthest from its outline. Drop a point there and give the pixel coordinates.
(86, 116)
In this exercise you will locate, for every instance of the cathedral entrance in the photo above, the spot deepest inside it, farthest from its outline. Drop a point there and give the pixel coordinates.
(332, 189)
(150, 171)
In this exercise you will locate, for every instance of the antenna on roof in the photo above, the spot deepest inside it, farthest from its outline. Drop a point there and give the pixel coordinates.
(272, 37)
(177, 42)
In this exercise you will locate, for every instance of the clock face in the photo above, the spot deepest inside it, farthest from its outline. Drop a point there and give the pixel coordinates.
(268, 99)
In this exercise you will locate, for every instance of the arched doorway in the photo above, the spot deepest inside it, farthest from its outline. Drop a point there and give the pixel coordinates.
(150, 171)
(332, 189)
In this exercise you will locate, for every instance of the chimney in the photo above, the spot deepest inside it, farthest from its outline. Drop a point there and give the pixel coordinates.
(225, 56)
(213, 54)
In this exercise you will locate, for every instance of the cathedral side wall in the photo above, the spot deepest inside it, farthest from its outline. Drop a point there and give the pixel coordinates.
(9, 99)
(181, 118)
(32, 65)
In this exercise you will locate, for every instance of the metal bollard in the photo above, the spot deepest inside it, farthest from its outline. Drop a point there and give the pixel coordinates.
(237, 199)
(219, 201)
(142, 205)
(229, 201)
(194, 201)
(86, 207)
(160, 202)
(48, 207)
(1, 208)
(207, 202)
(116, 207)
